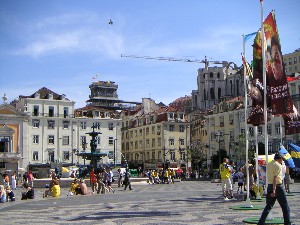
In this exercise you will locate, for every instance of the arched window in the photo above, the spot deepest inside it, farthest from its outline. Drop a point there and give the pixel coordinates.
(205, 97)
(211, 75)
(212, 93)
(218, 75)
(237, 87)
(231, 87)
(219, 93)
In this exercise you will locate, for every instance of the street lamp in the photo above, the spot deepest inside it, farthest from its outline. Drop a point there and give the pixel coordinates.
(115, 152)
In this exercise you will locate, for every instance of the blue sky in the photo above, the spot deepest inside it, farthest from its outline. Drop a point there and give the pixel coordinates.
(62, 45)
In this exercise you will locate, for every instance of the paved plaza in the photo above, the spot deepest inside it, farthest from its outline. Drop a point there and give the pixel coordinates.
(186, 202)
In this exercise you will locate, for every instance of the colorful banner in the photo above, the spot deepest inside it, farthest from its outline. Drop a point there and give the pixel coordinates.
(292, 122)
(278, 95)
(256, 87)
(262, 168)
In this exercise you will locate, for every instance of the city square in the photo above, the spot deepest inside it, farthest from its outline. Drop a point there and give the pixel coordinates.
(185, 202)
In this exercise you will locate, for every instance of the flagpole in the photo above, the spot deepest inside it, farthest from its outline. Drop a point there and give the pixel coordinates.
(270, 216)
(248, 202)
(258, 196)
(264, 82)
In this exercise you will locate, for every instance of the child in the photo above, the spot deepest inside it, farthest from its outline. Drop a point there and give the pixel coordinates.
(240, 178)
(10, 196)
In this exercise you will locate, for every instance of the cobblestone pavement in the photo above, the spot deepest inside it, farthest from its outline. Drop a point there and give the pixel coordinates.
(187, 202)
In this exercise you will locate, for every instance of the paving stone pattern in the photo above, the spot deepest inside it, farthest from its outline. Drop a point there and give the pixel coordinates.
(187, 202)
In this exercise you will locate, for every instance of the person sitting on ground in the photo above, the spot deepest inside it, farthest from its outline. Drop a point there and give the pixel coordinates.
(82, 188)
(10, 194)
(73, 187)
(28, 193)
(54, 190)
(2, 194)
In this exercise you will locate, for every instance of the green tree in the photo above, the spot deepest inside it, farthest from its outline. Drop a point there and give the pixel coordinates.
(215, 159)
(197, 154)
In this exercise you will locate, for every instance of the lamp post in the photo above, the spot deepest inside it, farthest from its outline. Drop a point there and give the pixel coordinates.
(115, 152)
(218, 134)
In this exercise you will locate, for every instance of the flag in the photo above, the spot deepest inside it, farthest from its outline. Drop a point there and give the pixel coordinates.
(287, 157)
(292, 122)
(256, 88)
(248, 68)
(248, 36)
(278, 95)
(295, 153)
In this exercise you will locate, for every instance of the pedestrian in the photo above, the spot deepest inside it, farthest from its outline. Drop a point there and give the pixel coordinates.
(240, 179)
(120, 175)
(93, 180)
(109, 180)
(14, 181)
(30, 179)
(275, 191)
(225, 172)
(287, 180)
(127, 180)
(101, 182)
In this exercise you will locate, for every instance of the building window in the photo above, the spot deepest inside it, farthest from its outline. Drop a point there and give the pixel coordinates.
(66, 155)
(147, 131)
(35, 110)
(98, 140)
(66, 112)
(269, 128)
(111, 141)
(295, 60)
(97, 114)
(181, 128)
(97, 125)
(182, 156)
(83, 142)
(181, 141)
(171, 141)
(277, 128)
(153, 143)
(171, 115)
(51, 139)
(83, 125)
(35, 156)
(172, 156)
(159, 142)
(147, 143)
(141, 144)
(141, 132)
(111, 126)
(153, 129)
(36, 123)
(259, 130)
(35, 139)
(66, 124)
(51, 111)
(51, 156)
(66, 140)
(153, 155)
(51, 124)
(171, 127)
(251, 131)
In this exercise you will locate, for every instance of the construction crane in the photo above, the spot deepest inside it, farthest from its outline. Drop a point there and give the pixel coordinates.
(205, 61)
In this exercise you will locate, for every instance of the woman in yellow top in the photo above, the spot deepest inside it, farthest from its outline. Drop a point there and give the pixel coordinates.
(55, 190)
